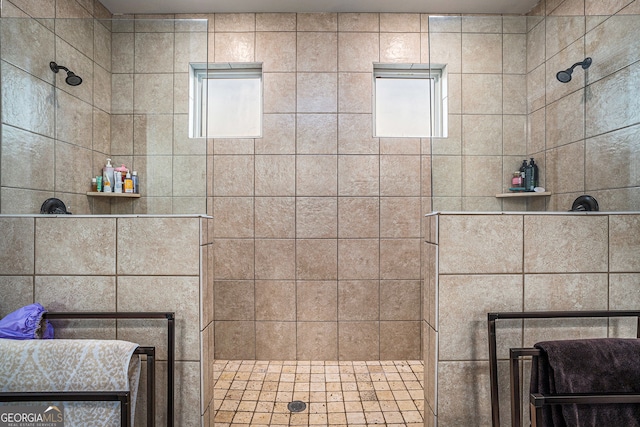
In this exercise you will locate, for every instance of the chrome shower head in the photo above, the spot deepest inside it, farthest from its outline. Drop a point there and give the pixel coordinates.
(72, 79)
(564, 76)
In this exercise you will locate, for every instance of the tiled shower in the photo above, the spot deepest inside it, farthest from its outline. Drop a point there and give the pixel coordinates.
(317, 236)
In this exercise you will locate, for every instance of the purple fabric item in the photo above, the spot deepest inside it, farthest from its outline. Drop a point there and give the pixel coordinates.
(603, 365)
(26, 323)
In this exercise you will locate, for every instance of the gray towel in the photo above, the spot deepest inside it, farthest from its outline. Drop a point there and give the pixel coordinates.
(588, 366)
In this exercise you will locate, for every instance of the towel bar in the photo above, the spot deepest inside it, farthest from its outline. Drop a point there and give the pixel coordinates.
(492, 317)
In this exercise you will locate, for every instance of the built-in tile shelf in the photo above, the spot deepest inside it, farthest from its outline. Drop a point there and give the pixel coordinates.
(101, 194)
(524, 194)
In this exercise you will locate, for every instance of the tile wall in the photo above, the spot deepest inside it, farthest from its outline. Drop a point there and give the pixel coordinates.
(131, 267)
(583, 133)
(53, 135)
(516, 262)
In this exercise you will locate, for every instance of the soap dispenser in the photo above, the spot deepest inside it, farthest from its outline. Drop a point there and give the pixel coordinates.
(107, 179)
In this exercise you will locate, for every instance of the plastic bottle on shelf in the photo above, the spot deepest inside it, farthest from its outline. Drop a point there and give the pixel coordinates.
(107, 177)
(128, 183)
(534, 174)
(134, 178)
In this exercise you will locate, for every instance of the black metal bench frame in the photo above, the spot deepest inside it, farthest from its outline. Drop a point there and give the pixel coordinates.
(537, 401)
(124, 397)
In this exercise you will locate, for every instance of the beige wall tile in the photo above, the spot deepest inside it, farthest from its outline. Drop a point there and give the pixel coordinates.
(561, 31)
(235, 22)
(463, 304)
(358, 22)
(446, 48)
(17, 101)
(122, 93)
(514, 96)
(455, 379)
(189, 47)
(400, 340)
(535, 47)
(445, 24)
(399, 22)
(316, 133)
(153, 93)
(234, 259)
(358, 217)
(235, 340)
(624, 242)
(317, 341)
(358, 300)
(481, 94)
(177, 294)
(447, 176)
(275, 300)
(357, 51)
(317, 51)
(399, 175)
(30, 47)
(276, 51)
(233, 217)
(355, 92)
(278, 134)
(316, 259)
(275, 259)
(73, 120)
(137, 235)
(614, 149)
(275, 21)
(623, 295)
(122, 134)
(80, 233)
(358, 259)
(234, 300)
(17, 292)
(275, 340)
(316, 217)
(564, 168)
(317, 92)
(234, 47)
(317, 301)
(189, 176)
(400, 47)
(514, 132)
(279, 92)
(275, 175)
(358, 341)
(553, 244)
(316, 175)
(400, 216)
(488, 244)
(355, 136)
(400, 300)
(23, 151)
(122, 53)
(317, 21)
(154, 52)
(565, 120)
(488, 183)
(358, 175)
(400, 259)
(482, 134)
(481, 53)
(546, 292)
(233, 175)
(275, 217)
(515, 50)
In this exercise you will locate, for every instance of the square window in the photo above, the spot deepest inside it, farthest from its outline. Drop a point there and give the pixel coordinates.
(409, 100)
(225, 100)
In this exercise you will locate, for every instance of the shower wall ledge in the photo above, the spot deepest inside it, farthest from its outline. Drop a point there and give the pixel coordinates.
(591, 213)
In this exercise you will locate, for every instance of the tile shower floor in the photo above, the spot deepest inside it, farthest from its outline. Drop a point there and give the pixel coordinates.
(257, 393)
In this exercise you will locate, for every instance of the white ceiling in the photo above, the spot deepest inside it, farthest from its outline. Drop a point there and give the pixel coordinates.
(398, 6)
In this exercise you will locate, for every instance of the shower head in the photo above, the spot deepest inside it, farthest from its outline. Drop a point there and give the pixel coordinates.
(72, 79)
(564, 76)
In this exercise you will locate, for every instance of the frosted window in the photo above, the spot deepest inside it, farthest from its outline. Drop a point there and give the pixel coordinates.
(409, 101)
(226, 101)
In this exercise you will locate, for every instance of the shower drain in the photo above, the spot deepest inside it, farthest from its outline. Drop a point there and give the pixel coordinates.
(297, 406)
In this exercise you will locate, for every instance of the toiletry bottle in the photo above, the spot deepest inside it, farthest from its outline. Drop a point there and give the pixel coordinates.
(123, 172)
(134, 178)
(534, 174)
(128, 183)
(117, 182)
(107, 177)
(523, 168)
(99, 183)
(516, 180)
(94, 184)
(528, 178)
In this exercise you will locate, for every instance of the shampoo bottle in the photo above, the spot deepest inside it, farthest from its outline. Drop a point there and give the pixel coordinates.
(534, 174)
(128, 183)
(134, 178)
(107, 177)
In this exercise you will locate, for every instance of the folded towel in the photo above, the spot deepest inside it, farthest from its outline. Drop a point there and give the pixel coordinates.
(602, 365)
(72, 365)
